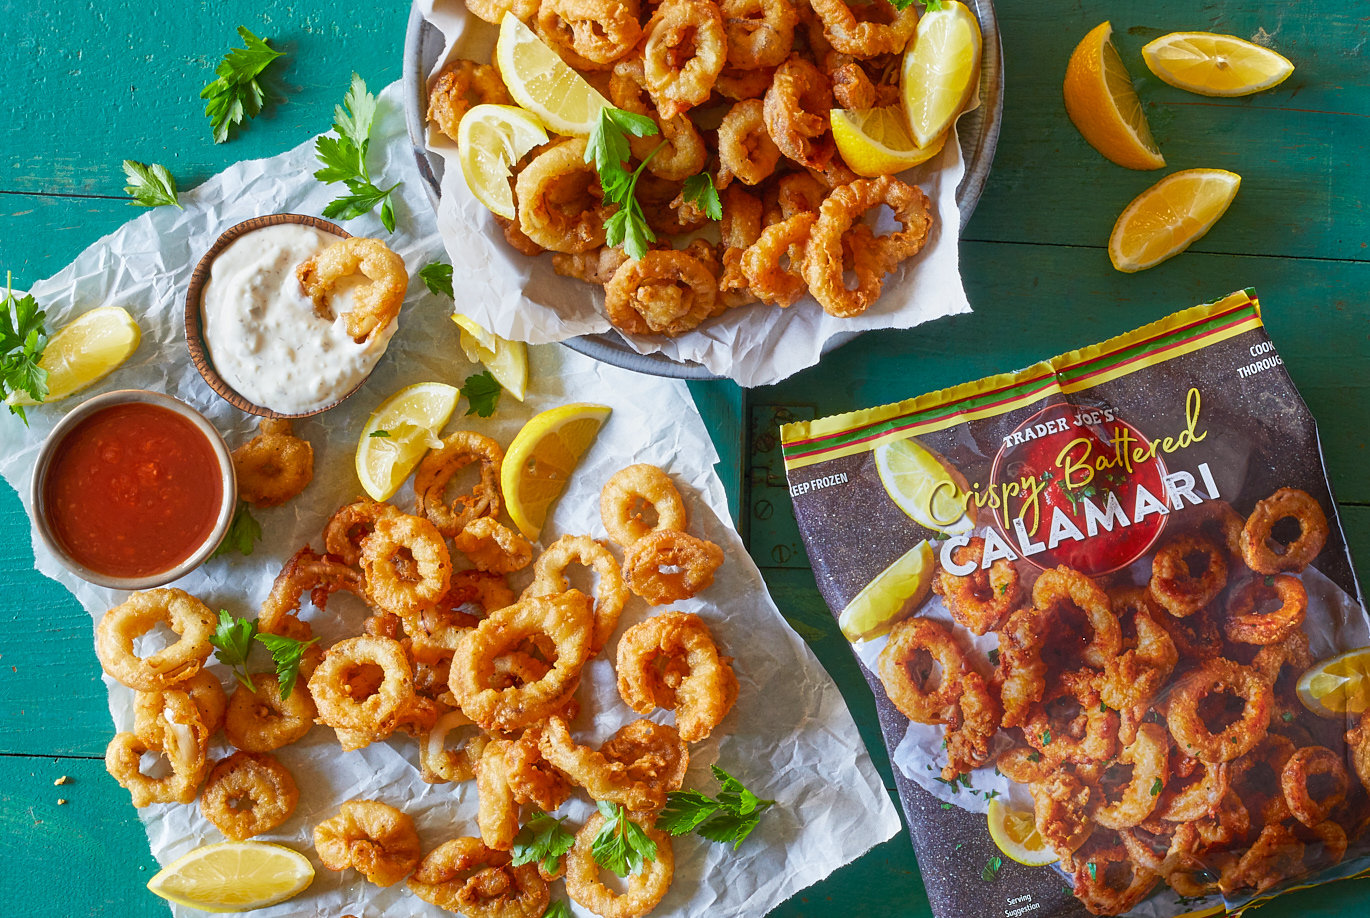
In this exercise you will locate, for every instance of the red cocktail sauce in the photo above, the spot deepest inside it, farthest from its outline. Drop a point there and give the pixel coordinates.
(133, 490)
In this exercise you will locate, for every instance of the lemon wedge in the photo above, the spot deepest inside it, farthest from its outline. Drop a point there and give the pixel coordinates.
(234, 877)
(925, 486)
(1215, 65)
(1169, 216)
(1104, 106)
(939, 71)
(1338, 686)
(891, 597)
(542, 457)
(877, 141)
(399, 433)
(541, 82)
(85, 350)
(506, 360)
(490, 140)
(1015, 832)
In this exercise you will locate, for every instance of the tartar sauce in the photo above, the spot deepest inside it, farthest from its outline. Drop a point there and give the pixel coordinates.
(263, 334)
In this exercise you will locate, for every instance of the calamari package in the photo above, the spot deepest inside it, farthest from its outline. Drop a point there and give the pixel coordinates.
(1108, 614)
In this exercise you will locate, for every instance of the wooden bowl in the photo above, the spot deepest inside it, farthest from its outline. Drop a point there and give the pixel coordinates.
(195, 324)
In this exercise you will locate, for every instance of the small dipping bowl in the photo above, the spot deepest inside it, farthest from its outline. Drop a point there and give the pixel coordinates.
(195, 323)
(69, 444)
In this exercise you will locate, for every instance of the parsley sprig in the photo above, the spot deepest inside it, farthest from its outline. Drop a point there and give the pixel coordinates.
(729, 817)
(699, 190)
(621, 845)
(22, 340)
(243, 532)
(437, 277)
(482, 393)
(234, 94)
(150, 185)
(344, 159)
(608, 149)
(557, 909)
(542, 839)
(233, 639)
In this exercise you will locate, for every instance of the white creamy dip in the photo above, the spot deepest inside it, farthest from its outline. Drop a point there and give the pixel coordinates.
(262, 332)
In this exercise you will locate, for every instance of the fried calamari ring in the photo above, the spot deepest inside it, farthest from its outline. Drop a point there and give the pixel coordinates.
(825, 262)
(1302, 767)
(406, 564)
(1024, 765)
(532, 778)
(666, 292)
(261, 721)
(654, 754)
(349, 525)
(644, 889)
(351, 700)
(273, 466)
(140, 613)
(906, 669)
(498, 813)
(865, 30)
(1173, 582)
(1358, 742)
(682, 151)
(464, 875)
(591, 769)
(441, 761)
(374, 838)
(436, 469)
(1272, 659)
(737, 84)
(185, 752)
(629, 495)
(492, 11)
(745, 148)
(151, 709)
(375, 304)
(1071, 724)
(1061, 810)
(1021, 671)
(1247, 623)
(760, 32)
(974, 722)
(1134, 677)
(1187, 724)
(493, 547)
(321, 576)
(611, 593)
(1274, 855)
(796, 110)
(460, 87)
(559, 203)
(671, 661)
(683, 51)
(597, 33)
(1061, 591)
(1194, 789)
(1286, 503)
(247, 794)
(1106, 879)
(595, 266)
(1149, 757)
(435, 631)
(564, 618)
(668, 565)
(1196, 637)
(773, 266)
(981, 599)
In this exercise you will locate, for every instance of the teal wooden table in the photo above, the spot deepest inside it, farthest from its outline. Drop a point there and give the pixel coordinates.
(90, 84)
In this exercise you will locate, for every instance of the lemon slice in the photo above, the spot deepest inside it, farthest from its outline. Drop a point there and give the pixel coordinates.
(234, 877)
(1215, 65)
(1169, 216)
(506, 360)
(1104, 106)
(939, 72)
(85, 350)
(1015, 832)
(399, 433)
(1339, 686)
(542, 82)
(490, 139)
(891, 597)
(877, 141)
(542, 457)
(925, 486)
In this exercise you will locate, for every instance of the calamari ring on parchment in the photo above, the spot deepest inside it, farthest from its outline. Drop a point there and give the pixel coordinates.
(375, 304)
(865, 30)
(406, 564)
(376, 839)
(460, 87)
(466, 876)
(140, 613)
(532, 778)
(681, 152)
(183, 741)
(611, 592)
(151, 709)
(441, 760)
(321, 576)
(247, 794)
(347, 695)
(668, 566)
(760, 32)
(436, 469)
(630, 493)
(560, 206)
(684, 48)
(796, 109)
(350, 524)
(493, 547)
(1284, 504)
(745, 148)
(644, 889)
(665, 292)
(262, 721)
(602, 778)
(1059, 591)
(671, 661)
(773, 265)
(498, 813)
(1187, 725)
(273, 466)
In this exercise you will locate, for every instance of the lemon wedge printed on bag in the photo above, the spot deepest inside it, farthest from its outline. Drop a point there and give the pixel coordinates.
(234, 877)
(925, 486)
(1170, 216)
(1339, 686)
(490, 140)
(84, 351)
(399, 433)
(1015, 832)
(1103, 105)
(894, 595)
(1215, 65)
(540, 81)
(542, 457)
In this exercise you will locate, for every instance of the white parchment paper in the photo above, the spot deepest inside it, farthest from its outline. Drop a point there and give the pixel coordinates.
(790, 737)
(756, 345)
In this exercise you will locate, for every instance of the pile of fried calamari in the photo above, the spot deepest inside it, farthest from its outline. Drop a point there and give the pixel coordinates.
(740, 91)
(1157, 726)
(483, 678)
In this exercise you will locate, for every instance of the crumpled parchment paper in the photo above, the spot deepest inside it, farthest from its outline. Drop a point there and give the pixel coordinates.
(756, 345)
(790, 737)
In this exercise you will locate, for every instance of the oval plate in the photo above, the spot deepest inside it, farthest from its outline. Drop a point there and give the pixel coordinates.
(977, 131)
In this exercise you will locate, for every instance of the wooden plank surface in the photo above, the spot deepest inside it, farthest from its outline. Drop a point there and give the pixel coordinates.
(93, 83)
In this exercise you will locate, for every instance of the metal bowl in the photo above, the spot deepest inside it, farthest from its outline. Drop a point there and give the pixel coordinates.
(977, 131)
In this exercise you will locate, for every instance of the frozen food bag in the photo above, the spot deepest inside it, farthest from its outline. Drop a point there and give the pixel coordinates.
(1106, 608)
